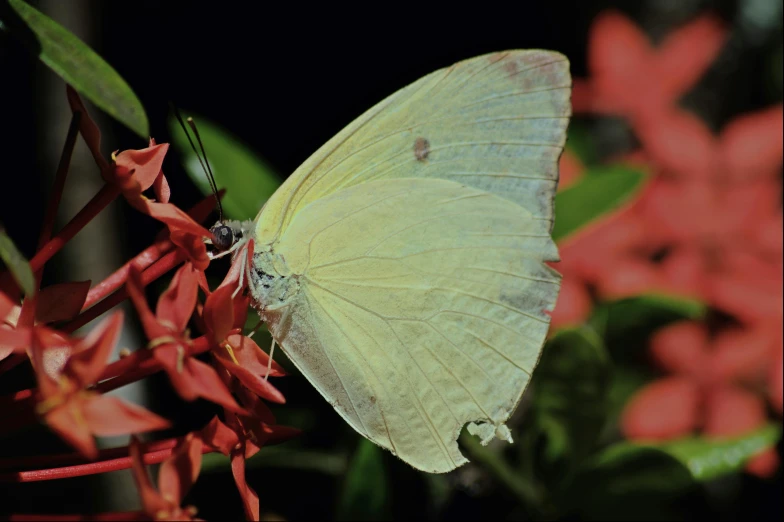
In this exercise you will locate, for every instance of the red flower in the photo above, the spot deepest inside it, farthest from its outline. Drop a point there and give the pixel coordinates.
(570, 169)
(664, 409)
(719, 186)
(135, 171)
(732, 412)
(169, 337)
(225, 311)
(175, 477)
(681, 348)
(65, 403)
(630, 78)
(241, 437)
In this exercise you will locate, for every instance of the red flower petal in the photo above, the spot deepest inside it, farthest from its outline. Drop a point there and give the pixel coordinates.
(680, 210)
(135, 289)
(210, 386)
(752, 144)
(175, 218)
(254, 381)
(574, 304)
(61, 302)
(178, 473)
(176, 304)
(570, 169)
(664, 409)
(161, 186)
(628, 277)
(681, 347)
(618, 50)
(250, 499)
(194, 246)
(172, 357)
(247, 354)
(218, 313)
(219, 436)
(92, 353)
(731, 411)
(69, 423)
(765, 464)
(685, 54)
(47, 384)
(742, 354)
(152, 501)
(144, 163)
(109, 416)
(751, 298)
(679, 142)
(15, 340)
(683, 271)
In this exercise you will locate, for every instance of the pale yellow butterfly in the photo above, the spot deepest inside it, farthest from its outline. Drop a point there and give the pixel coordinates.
(401, 267)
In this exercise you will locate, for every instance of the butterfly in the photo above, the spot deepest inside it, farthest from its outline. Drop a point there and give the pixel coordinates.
(402, 266)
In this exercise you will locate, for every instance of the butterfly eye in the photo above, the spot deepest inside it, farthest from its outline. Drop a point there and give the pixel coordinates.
(223, 237)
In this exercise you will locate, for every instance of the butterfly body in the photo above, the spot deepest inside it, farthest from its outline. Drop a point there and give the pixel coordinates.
(401, 267)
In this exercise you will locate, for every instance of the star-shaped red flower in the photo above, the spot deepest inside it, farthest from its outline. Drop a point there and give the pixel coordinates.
(169, 337)
(67, 405)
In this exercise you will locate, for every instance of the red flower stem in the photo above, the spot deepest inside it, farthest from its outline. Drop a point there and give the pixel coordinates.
(59, 180)
(141, 366)
(90, 468)
(75, 458)
(142, 261)
(136, 366)
(160, 267)
(100, 201)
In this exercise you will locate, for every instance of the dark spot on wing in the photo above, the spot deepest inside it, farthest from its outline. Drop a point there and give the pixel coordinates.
(421, 149)
(511, 67)
(372, 399)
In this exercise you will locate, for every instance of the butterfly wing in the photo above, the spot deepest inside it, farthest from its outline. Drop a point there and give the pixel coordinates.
(421, 307)
(417, 238)
(495, 122)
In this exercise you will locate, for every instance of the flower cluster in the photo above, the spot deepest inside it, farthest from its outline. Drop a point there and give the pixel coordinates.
(73, 373)
(708, 226)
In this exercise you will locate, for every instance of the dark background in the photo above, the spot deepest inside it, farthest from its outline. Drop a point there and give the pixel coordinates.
(285, 77)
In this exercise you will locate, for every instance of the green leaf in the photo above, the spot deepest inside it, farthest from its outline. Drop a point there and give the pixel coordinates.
(17, 264)
(365, 486)
(579, 142)
(624, 322)
(602, 190)
(79, 66)
(711, 458)
(248, 179)
(625, 382)
(569, 390)
(628, 483)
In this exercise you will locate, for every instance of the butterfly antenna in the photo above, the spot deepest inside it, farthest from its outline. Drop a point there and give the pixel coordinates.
(205, 165)
(209, 170)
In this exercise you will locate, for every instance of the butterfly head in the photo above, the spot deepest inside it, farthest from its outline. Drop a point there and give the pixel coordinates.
(228, 236)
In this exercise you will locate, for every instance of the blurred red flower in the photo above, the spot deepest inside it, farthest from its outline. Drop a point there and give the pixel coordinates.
(631, 78)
